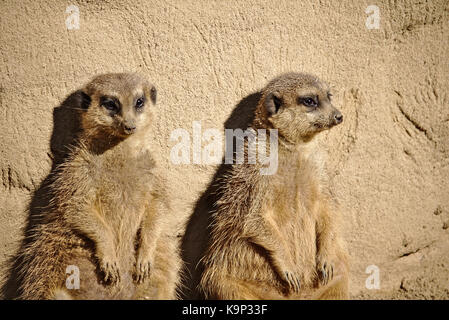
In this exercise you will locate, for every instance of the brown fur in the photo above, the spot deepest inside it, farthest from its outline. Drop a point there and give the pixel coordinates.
(276, 236)
(109, 212)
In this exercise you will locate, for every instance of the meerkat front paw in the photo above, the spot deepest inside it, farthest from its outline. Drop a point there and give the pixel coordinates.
(325, 270)
(143, 268)
(293, 281)
(110, 269)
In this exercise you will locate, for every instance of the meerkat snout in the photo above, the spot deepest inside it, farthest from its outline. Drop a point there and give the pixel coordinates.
(335, 117)
(129, 126)
(338, 117)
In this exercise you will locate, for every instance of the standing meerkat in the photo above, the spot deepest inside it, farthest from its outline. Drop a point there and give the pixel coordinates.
(109, 215)
(276, 236)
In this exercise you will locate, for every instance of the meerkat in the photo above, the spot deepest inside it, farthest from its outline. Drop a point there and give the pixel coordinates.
(277, 236)
(108, 219)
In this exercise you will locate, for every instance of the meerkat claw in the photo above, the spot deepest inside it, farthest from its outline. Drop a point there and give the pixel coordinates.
(293, 281)
(142, 271)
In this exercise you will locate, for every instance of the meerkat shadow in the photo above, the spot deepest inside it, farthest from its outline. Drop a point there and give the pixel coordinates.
(66, 127)
(197, 234)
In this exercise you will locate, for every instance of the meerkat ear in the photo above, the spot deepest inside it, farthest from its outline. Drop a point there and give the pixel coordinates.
(153, 94)
(273, 102)
(82, 100)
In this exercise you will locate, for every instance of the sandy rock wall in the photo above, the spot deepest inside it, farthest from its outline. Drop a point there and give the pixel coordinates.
(389, 160)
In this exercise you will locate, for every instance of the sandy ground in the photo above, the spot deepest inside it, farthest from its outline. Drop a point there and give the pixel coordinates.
(389, 160)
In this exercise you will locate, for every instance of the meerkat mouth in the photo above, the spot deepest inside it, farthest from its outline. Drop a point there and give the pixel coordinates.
(322, 126)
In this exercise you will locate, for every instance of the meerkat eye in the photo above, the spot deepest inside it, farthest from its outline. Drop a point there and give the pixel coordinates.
(309, 101)
(139, 103)
(329, 96)
(109, 104)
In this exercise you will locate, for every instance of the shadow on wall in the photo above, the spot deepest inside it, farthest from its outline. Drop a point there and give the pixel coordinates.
(66, 127)
(197, 234)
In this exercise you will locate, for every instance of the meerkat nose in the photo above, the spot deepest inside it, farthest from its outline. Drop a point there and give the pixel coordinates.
(129, 129)
(338, 118)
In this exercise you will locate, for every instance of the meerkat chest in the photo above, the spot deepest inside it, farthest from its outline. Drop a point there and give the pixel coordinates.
(123, 185)
(295, 191)
(291, 211)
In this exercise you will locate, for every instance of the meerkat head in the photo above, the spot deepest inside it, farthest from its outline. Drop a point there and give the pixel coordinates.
(299, 106)
(117, 104)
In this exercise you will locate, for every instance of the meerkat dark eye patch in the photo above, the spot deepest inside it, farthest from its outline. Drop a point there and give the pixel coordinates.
(329, 95)
(110, 104)
(311, 102)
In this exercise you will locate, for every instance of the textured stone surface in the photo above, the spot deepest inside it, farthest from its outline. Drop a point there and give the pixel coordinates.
(389, 160)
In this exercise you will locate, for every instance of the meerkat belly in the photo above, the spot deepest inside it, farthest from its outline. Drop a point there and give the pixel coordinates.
(305, 240)
(124, 217)
(243, 260)
(121, 202)
(303, 245)
(294, 223)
